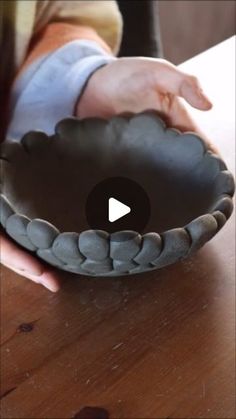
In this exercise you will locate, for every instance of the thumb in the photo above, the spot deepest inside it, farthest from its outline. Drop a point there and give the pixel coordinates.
(170, 79)
(192, 92)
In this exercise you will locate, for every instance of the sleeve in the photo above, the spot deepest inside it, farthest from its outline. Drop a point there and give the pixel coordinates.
(59, 64)
(102, 15)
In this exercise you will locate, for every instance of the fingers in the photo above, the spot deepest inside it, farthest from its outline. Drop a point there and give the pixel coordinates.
(14, 256)
(26, 265)
(178, 116)
(172, 80)
(50, 280)
(47, 279)
(192, 92)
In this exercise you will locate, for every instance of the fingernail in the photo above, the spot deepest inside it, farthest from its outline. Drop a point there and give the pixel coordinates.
(49, 285)
(203, 98)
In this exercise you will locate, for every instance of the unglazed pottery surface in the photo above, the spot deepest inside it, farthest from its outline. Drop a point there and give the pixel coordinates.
(45, 183)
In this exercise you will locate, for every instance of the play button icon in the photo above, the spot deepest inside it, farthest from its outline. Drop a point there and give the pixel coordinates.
(116, 204)
(116, 210)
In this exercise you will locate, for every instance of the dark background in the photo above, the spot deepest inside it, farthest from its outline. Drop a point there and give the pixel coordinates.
(192, 26)
(175, 29)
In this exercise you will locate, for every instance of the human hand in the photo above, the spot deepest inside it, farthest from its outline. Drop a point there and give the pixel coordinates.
(134, 84)
(24, 264)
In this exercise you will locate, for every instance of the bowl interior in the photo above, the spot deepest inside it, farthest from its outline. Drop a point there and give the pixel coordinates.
(51, 178)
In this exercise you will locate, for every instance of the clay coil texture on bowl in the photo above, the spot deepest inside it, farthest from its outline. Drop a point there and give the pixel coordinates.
(190, 188)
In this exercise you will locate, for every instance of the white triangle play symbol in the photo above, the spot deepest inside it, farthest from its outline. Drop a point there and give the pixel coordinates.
(116, 209)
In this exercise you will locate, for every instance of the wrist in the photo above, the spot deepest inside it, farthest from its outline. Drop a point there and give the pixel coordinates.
(94, 100)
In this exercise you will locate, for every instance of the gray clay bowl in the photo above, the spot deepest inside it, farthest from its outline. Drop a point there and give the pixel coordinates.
(45, 183)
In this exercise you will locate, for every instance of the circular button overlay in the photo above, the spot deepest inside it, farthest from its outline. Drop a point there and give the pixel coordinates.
(121, 200)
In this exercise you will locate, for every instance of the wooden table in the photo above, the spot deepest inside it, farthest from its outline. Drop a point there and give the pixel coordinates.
(158, 345)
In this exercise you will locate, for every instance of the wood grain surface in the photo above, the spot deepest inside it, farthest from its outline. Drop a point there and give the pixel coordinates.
(157, 345)
(192, 26)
